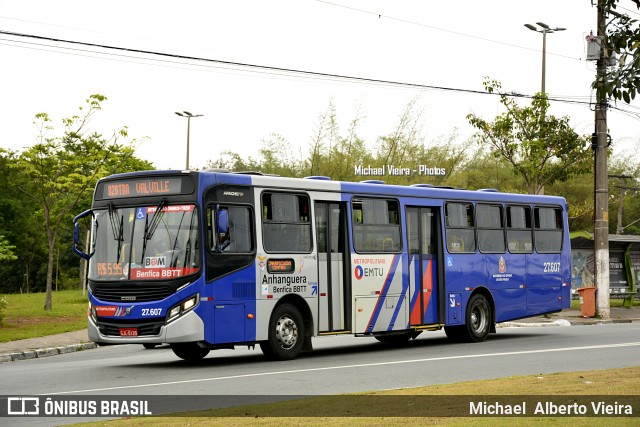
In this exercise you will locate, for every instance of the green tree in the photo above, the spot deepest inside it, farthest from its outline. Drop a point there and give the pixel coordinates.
(623, 39)
(624, 189)
(58, 172)
(334, 154)
(6, 250)
(24, 232)
(541, 148)
(404, 145)
(447, 155)
(481, 169)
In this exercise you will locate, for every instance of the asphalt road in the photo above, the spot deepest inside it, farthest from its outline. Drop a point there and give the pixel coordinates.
(339, 364)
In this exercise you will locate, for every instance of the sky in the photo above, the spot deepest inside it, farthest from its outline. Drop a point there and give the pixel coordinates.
(439, 44)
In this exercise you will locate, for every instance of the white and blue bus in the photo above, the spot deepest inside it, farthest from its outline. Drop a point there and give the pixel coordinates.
(213, 260)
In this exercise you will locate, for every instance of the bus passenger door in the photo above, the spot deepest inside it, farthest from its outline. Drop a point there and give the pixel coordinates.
(333, 281)
(422, 233)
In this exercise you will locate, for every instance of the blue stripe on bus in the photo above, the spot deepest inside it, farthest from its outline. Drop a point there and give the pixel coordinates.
(383, 293)
(403, 294)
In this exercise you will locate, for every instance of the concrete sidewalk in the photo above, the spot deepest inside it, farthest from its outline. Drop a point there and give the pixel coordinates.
(49, 345)
(75, 341)
(571, 317)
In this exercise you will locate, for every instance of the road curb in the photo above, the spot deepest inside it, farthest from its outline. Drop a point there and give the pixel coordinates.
(46, 352)
(559, 322)
(565, 322)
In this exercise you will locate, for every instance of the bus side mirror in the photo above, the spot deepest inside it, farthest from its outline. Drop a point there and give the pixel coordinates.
(221, 230)
(76, 234)
(222, 221)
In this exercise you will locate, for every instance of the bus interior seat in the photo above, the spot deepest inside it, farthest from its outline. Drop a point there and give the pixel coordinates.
(457, 244)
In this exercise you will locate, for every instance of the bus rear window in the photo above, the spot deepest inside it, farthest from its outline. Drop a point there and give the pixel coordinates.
(548, 229)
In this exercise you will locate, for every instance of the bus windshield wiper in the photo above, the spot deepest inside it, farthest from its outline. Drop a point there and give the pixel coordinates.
(117, 227)
(151, 226)
(174, 260)
(115, 224)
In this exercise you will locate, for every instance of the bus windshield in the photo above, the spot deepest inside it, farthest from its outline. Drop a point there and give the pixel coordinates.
(145, 243)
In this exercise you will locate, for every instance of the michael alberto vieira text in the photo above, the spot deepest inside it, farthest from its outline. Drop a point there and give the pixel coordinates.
(392, 170)
(594, 408)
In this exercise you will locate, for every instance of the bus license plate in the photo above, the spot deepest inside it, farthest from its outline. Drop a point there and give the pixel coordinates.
(128, 332)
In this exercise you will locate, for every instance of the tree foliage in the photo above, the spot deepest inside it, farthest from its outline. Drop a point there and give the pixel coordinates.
(623, 40)
(58, 173)
(335, 151)
(6, 250)
(541, 148)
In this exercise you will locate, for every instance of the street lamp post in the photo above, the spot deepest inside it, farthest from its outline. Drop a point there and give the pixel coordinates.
(544, 30)
(188, 115)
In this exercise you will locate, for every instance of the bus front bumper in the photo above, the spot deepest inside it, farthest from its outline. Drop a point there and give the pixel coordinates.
(187, 328)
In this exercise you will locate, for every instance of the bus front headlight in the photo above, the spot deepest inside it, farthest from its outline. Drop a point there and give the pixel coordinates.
(182, 308)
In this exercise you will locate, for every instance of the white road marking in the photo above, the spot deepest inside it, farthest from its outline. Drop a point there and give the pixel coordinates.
(364, 365)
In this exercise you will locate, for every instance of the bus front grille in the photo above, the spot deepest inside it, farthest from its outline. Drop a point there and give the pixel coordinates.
(132, 294)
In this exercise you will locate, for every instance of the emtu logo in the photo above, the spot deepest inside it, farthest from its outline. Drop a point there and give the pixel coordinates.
(359, 272)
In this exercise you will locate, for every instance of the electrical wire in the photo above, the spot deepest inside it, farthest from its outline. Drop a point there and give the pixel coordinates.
(240, 66)
(406, 21)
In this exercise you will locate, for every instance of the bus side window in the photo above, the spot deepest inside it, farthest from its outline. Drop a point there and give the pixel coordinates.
(519, 232)
(285, 223)
(229, 229)
(490, 228)
(459, 221)
(376, 225)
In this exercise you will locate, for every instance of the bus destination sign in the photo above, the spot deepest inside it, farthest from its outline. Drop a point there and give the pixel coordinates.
(143, 187)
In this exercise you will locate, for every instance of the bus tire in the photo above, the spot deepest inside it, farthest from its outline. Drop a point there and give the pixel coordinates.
(189, 351)
(286, 334)
(477, 322)
(478, 318)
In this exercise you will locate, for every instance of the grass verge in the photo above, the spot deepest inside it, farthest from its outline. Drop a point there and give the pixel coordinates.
(25, 316)
(623, 381)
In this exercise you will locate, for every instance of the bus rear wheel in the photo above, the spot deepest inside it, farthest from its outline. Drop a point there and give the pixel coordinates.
(286, 334)
(477, 322)
(189, 351)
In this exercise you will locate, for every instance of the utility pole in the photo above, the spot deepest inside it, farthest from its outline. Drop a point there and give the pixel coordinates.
(601, 192)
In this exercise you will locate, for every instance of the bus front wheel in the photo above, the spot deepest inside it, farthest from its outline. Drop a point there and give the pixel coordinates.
(189, 351)
(286, 334)
(477, 322)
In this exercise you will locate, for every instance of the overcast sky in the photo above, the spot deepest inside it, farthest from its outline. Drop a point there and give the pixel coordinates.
(444, 44)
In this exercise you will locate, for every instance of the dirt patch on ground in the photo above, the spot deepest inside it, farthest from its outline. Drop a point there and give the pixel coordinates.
(22, 322)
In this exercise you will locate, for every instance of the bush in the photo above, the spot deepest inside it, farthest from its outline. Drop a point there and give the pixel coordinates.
(3, 305)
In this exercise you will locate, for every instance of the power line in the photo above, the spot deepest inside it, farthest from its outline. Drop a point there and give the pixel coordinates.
(628, 10)
(264, 68)
(406, 21)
